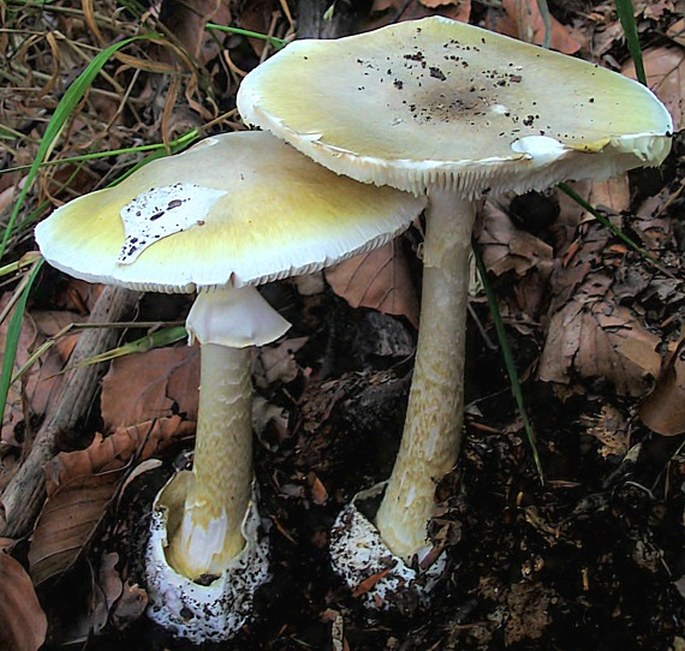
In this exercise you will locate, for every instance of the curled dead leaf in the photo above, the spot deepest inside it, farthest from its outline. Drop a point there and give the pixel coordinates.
(155, 384)
(114, 451)
(663, 410)
(23, 624)
(595, 339)
(379, 279)
(522, 19)
(68, 521)
(665, 70)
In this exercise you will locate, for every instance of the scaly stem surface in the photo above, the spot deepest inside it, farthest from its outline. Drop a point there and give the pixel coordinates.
(432, 430)
(209, 534)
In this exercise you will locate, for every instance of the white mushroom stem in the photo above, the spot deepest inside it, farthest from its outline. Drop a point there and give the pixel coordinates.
(210, 533)
(432, 432)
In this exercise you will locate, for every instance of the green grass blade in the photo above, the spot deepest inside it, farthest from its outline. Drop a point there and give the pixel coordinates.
(70, 100)
(509, 363)
(602, 219)
(180, 142)
(624, 9)
(12, 339)
(67, 104)
(277, 43)
(163, 337)
(547, 22)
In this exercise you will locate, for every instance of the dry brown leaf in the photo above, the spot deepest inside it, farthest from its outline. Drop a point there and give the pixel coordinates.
(610, 428)
(277, 363)
(256, 16)
(23, 624)
(385, 11)
(116, 450)
(596, 339)
(41, 381)
(655, 9)
(318, 490)
(665, 68)
(109, 579)
(462, 6)
(663, 410)
(522, 20)
(614, 194)
(68, 521)
(155, 384)
(187, 20)
(379, 280)
(507, 248)
(676, 31)
(130, 606)
(14, 412)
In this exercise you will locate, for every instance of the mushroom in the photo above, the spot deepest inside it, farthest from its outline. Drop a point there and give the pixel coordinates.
(233, 211)
(455, 112)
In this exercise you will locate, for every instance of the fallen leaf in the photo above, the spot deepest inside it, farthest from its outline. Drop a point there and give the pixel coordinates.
(664, 67)
(68, 521)
(663, 410)
(277, 363)
(655, 9)
(379, 279)
(156, 384)
(187, 20)
(610, 428)
(598, 339)
(522, 19)
(130, 606)
(676, 31)
(23, 624)
(462, 6)
(115, 451)
(507, 248)
(614, 194)
(384, 12)
(109, 579)
(318, 490)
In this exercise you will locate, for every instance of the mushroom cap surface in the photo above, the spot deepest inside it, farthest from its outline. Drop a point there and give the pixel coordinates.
(236, 209)
(435, 102)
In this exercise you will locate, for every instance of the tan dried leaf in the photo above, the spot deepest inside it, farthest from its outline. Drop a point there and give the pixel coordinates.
(187, 20)
(23, 624)
(676, 31)
(507, 248)
(462, 7)
(155, 384)
(116, 450)
(609, 427)
(522, 20)
(596, 339)
(130, 606)
(663, 410)
(665, 68)
(277, 362)
(68, 521)
(614, 194)
(379, 280)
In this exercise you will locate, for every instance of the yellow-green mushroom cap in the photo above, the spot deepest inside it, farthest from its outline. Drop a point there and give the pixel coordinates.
(438, 103)
(236, 209)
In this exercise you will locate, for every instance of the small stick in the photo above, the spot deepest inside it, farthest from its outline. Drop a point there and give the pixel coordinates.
(24, 495)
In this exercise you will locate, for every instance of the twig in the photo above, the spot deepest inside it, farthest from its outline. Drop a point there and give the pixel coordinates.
(24, 495)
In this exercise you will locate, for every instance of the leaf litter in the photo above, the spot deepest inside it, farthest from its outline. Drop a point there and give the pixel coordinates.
(594, 556)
